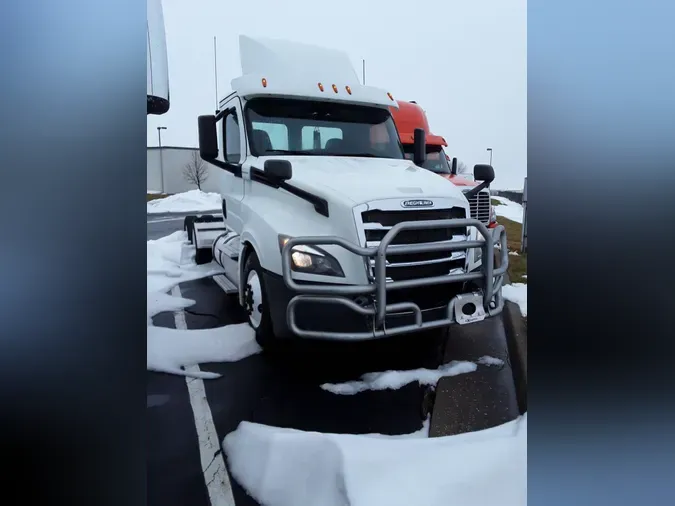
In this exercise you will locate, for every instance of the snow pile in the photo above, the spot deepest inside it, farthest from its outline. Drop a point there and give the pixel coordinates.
(488, 360)
(170, 349)
(170, 261)
(193, 201)
(393, 380)
(287, 467)
(509, 209)
(517, 293)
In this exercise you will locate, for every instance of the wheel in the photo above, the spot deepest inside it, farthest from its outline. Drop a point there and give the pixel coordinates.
(203, 255)
(255, 302)
(189, 227)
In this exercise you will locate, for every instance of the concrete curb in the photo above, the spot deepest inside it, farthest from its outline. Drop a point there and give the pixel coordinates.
(516, 341)
(442, 401)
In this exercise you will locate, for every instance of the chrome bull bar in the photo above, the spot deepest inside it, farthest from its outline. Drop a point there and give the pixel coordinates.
(338, 294)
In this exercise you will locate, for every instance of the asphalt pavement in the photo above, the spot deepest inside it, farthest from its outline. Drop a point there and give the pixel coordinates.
(160, 225)
(283, 389)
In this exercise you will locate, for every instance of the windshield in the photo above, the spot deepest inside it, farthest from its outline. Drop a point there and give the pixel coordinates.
(314, 128)
(436, 160)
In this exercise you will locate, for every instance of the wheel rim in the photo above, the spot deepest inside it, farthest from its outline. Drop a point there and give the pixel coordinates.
(254, 299)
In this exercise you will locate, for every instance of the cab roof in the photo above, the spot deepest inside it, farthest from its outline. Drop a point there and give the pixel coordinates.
(409, 116)
(273, 67)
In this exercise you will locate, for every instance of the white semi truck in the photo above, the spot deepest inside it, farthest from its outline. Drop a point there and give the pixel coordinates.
(327, 230)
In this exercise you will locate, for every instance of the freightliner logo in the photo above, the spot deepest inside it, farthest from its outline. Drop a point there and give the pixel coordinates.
(417, 203)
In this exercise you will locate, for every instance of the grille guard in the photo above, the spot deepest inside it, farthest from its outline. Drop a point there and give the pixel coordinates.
(337, 294)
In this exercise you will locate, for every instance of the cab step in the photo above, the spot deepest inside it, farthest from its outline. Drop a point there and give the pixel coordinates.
(225, 284)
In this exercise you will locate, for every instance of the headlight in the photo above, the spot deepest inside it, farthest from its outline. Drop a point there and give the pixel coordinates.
(312, 259)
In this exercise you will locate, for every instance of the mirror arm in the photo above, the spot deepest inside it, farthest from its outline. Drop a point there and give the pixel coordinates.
(474, 191)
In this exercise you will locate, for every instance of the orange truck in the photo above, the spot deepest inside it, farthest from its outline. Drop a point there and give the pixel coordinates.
(410, 116)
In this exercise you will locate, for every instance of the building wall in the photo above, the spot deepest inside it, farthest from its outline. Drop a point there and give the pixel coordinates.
(174, 160)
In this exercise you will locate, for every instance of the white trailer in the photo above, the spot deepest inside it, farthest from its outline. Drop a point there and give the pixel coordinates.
(157, 60)
(327, 230)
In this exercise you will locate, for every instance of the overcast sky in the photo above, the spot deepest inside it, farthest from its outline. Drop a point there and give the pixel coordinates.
(464, 62)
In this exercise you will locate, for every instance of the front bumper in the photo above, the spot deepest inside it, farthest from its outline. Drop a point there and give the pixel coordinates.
(379, 319)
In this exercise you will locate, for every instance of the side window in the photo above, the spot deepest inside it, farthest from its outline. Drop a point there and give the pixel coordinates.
(317, 137)
(231, 137)
(277, 133)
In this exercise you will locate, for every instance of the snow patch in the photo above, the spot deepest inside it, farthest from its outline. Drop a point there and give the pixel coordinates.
(287, 467)
(170, 349)
(393, 380)
(421, 433)
(487, 360)
(514, 253)
(193, 201)
(517, 293)
(509, 209)
(170, 261)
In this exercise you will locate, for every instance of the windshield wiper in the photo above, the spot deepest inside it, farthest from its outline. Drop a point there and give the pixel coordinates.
(363, 155)
(287, 152)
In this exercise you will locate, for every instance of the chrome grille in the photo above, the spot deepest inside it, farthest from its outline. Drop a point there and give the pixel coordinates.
(377, 223)
(480, 206)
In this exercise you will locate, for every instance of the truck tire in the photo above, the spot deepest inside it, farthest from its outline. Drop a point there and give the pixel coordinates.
(203, 255)
(188, 226)
(255, 302)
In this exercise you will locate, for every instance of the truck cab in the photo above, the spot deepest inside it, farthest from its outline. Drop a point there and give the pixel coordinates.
(327, 230)
(408, 116)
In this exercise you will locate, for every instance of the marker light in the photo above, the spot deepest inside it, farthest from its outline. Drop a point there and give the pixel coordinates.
(335, 88)
(349, 90)
(264, 82)
(390, 97)
(321, 86)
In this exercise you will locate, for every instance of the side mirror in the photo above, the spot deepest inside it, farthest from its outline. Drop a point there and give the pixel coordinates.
(278, 170)
(453, 169)
(208, 137)
(484, 172)
(419, 147)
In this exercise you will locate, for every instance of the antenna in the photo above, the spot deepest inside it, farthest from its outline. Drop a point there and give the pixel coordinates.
(364, 72)
(215, 68)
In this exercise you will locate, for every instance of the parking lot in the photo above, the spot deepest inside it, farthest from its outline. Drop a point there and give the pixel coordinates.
(188, 418)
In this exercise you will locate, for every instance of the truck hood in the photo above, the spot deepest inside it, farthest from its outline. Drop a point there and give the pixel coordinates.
(356, 180)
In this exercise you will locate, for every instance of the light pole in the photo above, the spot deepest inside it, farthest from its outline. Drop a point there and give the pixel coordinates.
(490, 150)
(161, 156)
